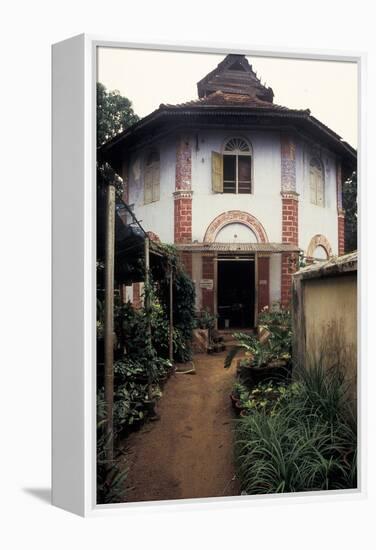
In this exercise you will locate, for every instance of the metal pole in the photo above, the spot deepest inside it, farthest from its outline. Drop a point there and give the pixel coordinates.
(171, 321)
(109, 319)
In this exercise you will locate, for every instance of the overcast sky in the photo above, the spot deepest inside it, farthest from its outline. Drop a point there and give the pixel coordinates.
(148, 78)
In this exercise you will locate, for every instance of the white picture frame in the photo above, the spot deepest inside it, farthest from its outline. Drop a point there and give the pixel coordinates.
(73, 287)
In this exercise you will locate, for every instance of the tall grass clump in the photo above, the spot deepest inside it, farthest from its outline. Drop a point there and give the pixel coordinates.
(307, 444)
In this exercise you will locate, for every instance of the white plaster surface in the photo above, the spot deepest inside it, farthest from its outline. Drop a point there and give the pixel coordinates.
(315, 219)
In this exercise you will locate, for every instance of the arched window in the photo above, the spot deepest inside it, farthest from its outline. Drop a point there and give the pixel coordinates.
(316, 182)
(152, 177)
(237, 166)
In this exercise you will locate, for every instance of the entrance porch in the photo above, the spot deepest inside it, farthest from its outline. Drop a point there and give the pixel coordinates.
(235, 282)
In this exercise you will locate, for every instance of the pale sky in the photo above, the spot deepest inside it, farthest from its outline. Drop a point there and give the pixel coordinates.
(148, 78)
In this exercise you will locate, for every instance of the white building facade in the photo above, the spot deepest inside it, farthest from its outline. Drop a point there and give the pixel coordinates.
(240, 185)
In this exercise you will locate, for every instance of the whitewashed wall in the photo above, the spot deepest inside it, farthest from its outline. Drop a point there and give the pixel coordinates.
(264, 203)
(275, 278)
(157, 216)
(315, 219)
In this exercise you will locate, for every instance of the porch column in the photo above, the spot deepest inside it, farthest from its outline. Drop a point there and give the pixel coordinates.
(290, 212)
(263, 277)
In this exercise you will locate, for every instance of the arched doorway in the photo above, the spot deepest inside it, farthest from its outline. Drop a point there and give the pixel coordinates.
(235, 292)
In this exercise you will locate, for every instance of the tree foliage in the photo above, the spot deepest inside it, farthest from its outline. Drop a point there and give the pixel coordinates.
(114, 114)
(350, 204)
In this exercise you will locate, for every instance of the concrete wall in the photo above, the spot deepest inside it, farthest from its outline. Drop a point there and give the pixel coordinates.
(325, 322)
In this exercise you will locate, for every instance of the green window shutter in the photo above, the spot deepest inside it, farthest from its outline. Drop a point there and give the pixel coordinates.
(217, 172)
(313, 186)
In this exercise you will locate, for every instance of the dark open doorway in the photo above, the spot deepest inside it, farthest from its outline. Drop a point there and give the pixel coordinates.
(236, 294)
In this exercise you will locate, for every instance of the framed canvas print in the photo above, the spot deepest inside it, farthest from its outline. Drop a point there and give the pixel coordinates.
(205, 287)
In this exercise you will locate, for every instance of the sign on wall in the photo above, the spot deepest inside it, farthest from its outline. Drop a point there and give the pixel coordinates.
(206, 283)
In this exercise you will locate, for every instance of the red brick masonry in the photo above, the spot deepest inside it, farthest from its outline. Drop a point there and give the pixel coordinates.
(183, 193)
(208, 273)
(341, 212)
(183, 217)
(341, 233)
(290, 208)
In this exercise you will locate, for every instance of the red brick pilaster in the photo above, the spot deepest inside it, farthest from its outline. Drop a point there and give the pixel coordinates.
(340, 212)
(290, 206)
(341, 232)
(183, 216)
(208, 273)
(290, 218)
(183, 192)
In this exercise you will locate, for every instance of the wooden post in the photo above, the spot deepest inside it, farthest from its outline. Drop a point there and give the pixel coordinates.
(147, 276)
(171, 321)
(147, 305)
(109, 319)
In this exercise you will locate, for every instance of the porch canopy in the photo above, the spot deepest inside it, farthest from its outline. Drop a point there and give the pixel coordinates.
(271, 248)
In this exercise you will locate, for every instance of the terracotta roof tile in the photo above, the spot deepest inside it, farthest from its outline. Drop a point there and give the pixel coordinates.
(238, 247)
(222, 99)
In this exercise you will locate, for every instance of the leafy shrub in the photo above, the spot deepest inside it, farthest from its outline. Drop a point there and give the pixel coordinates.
(184, 316)
(260, 354)
(265, 397)
(275, 316)
(205, 320)
(110, 476)
(308, 444)
(278, 345)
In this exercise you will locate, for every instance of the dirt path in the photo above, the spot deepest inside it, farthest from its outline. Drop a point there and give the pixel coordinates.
(188, 452)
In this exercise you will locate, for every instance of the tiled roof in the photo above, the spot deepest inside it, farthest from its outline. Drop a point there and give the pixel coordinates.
(222, 99)
(237, 247)
(334, 266)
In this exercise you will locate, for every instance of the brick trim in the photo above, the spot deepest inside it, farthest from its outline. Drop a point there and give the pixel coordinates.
(235, 216)
(319, 240)
(340, 211)
(290, 215)
(341, 233)
(183, 191)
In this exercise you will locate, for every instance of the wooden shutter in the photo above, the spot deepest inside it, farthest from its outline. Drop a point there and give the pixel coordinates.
(148, 185)
(217, 172)
(313, 186)
(320, 189)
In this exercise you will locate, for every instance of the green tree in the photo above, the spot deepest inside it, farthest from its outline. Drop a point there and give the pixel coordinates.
(350, 204)
(114, 114)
